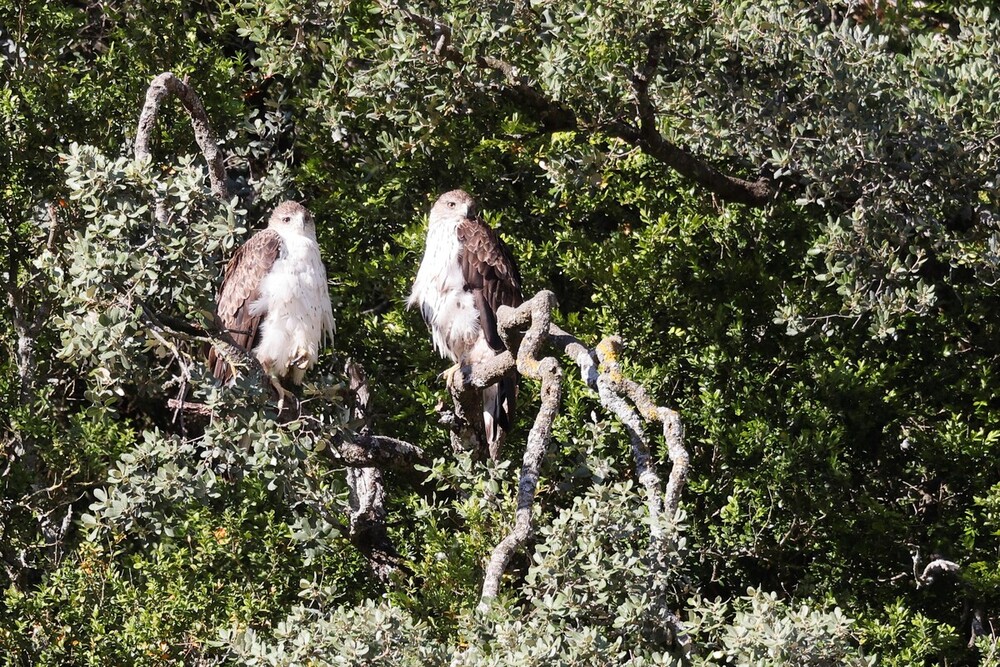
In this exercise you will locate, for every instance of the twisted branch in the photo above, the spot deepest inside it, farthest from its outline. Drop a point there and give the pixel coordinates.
(160, 88)
(601, 371)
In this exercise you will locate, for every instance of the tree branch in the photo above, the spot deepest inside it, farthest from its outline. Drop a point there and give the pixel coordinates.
(556, 116)
(648, 138)
(368, 514)
(600, 370)
(162, 87)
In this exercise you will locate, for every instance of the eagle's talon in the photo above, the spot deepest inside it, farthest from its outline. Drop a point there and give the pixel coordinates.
(449, 375)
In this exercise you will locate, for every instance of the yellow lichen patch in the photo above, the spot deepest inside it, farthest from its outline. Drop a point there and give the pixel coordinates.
(529, 367)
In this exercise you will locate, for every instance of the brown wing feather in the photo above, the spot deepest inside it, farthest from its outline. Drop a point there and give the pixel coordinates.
(490, 273)
(241, 287)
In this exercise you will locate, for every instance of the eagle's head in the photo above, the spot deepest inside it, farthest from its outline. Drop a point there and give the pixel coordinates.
(453, 206)
(291, 216)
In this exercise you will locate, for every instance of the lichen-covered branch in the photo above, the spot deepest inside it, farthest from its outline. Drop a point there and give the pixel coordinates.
(600, 369)
(160, 89)
(619, 387)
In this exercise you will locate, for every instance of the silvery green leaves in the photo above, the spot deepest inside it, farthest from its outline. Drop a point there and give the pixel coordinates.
(759, 630)
(118, 269)
(152, 487)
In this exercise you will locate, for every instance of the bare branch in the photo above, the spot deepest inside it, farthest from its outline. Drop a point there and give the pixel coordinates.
(538, 310)
(648, 138)
(159, 90)
(377, 451)
(349, 450)
(618, 386)
(367, 495)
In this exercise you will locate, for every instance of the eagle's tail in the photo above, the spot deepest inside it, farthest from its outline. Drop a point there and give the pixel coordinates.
(498, 412)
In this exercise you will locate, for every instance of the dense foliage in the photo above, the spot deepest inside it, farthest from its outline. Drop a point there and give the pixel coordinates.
(789, 212)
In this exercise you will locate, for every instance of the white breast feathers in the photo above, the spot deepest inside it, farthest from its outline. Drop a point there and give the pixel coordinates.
(298, 314)
(439, 291)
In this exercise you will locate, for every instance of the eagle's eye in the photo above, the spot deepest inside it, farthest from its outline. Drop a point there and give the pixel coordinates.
(451, 204)
(287, 218)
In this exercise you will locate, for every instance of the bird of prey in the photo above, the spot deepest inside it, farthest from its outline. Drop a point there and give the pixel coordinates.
(466, 274)
(274, 300)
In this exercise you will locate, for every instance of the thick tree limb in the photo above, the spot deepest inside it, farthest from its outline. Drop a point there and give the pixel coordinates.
(647, 137)
(162, 87)
(556, 116)
(600, 370)
(367, 450)
(368, 514)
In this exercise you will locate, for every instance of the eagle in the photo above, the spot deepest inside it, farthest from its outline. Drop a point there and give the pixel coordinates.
(274, 300)
(465, 275)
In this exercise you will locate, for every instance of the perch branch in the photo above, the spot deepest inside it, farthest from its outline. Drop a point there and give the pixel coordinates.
(161, 88)
(600, 370)
(547, 370)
